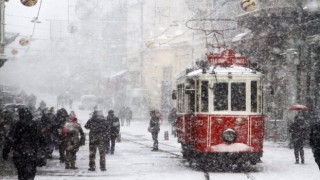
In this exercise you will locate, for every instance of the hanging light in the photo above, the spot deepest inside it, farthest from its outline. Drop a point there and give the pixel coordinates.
(248, 5)
(24, 41)
(29, 3)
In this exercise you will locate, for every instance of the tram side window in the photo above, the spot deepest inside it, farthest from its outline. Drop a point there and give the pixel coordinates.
(238, 96)
(180, 98)
(220, 96)
(204, 96)
(254, 95)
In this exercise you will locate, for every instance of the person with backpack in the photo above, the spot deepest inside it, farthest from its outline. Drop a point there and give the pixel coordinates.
(113, 131)
(74, 137)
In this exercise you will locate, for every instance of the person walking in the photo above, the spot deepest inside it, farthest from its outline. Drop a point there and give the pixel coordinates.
(98, 127)
(172, 120)
(47, 122)
(74, 137)
(154, 128)
(128, 116)
(61, 118)
(298, 135)
(25, 142)
(113, 131)
(315, 141)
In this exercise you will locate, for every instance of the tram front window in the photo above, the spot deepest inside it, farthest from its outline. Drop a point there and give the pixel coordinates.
(238, 96)
(220, 96)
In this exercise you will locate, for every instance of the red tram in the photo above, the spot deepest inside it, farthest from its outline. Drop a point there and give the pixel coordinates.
(219, 111)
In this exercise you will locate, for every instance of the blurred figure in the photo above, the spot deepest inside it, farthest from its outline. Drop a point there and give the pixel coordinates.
(122, 115)
(154, 128)
(47, 124)
(113, 131)
(298, 136)
(72, 114)
(42, 105)
(98, 127)
(24, 142)
(172, 120)
(61, 118)
(128, 116)
(74, 137)
(315, 142)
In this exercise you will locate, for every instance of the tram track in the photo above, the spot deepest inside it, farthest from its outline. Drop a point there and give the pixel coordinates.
(137, 140)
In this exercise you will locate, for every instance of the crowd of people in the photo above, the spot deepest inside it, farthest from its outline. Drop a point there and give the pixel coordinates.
(36, 133)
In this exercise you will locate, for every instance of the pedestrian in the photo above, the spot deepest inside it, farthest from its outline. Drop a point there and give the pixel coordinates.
(25, 142)
(122, 115)
(61, 118)
(298, 136)
(154, 128)
(172, 120)
(98, 127)
(74, 137)
(47, 124)
(114, 130)
(315, 141)
(128, 117)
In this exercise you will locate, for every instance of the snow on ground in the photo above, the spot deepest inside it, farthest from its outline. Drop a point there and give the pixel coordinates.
(134, 160)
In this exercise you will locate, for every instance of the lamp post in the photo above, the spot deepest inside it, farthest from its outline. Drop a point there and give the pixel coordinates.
(3, 58)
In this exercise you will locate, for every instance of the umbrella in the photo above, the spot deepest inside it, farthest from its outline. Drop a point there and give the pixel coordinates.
(298, 107)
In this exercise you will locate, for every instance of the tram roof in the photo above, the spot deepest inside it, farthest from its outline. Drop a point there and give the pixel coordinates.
(224, 70)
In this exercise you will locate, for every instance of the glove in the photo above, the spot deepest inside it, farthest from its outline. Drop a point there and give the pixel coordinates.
(5, 157)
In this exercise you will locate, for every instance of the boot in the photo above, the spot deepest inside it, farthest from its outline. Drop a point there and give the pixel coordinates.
(73, 166)
(67, 166)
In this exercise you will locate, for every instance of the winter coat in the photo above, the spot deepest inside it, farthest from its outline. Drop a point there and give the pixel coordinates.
(98, 127)
(315, 137)
(172, 117)
(25, 141)
(47, 123)
(61, 118)
(154, 125)
(298, 131)
(128, 114)
(73, 135)
(114, 126)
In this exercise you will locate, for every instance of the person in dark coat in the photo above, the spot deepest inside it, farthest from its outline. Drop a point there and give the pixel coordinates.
(172, 120)
(113, 132)
(298, 136)
(74, 137)
(47, 123)
(315, 141)
(154, 128)
(61, 118)
(25, 142)
(98, 127)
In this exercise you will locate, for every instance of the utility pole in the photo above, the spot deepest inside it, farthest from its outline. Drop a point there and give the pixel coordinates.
(3, 58)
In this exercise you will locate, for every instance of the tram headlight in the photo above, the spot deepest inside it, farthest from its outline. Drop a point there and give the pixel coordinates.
(229, 136)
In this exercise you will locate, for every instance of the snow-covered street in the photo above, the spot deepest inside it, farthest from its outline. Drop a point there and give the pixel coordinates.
(134, 160)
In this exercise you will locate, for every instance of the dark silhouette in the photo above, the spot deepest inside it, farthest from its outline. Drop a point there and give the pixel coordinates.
(298, 136)
(113, 131)
(61, 118)
(315, 141)
(154, 128)
(25, 142)
(98, 127)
